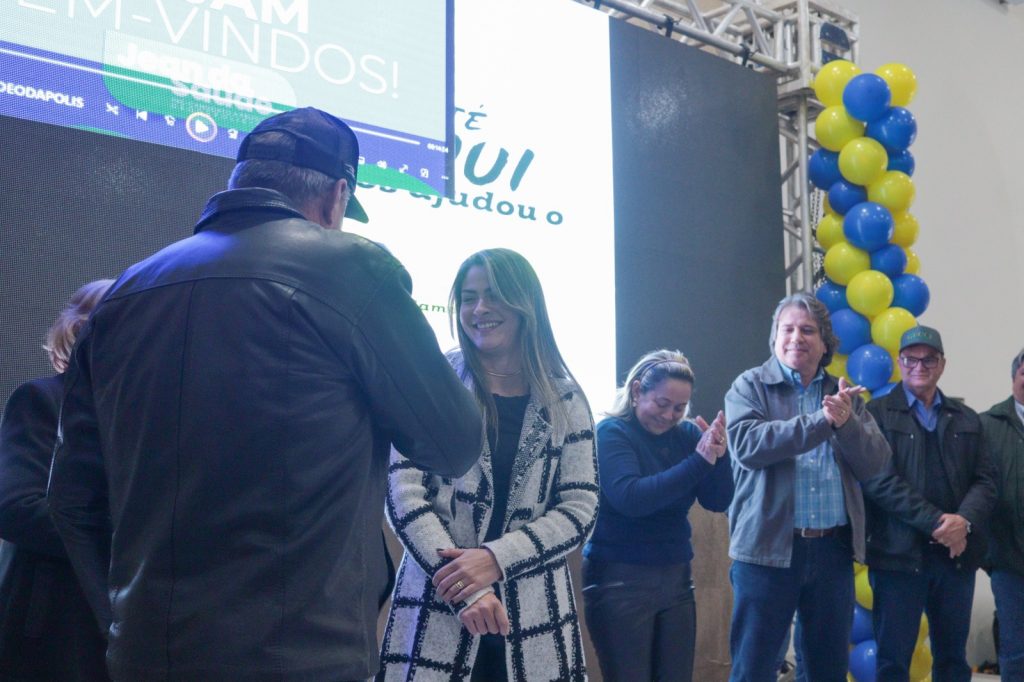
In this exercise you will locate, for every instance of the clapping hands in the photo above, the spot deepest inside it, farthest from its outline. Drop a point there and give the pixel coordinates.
(713, 442)
(839, 407)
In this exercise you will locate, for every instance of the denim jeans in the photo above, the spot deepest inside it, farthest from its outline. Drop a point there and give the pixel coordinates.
(1008, 589)
(818, 586)
(642, 620)
(941, 591)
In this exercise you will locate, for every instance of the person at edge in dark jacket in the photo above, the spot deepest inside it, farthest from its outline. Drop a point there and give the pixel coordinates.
(47, 631)
(638, 593)
(925, 512)
(800, 444)
(1003, 429)
(228, 416)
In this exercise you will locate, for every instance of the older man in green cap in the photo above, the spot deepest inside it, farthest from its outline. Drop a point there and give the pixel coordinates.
(922, 513)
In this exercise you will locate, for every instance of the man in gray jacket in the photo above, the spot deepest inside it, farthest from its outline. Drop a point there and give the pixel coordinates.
(801, 442)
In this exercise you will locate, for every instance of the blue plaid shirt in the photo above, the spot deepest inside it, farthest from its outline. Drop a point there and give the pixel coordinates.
(819, 488)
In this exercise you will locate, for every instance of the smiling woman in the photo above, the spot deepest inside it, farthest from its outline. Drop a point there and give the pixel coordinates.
(491, 545)
(491, 324)
(637, 587)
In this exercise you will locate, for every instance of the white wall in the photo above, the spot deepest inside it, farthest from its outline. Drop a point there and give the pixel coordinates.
(968, 56)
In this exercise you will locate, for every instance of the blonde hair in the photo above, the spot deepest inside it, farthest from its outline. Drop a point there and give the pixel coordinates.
(650, 370)
(514, 283)
(60, 339)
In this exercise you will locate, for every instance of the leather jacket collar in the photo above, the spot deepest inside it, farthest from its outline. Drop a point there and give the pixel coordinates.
(248, 199)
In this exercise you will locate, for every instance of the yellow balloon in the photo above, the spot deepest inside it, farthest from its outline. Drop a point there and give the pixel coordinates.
(830, 231)
(858, 568)
(894, 190)
(837, 367)
(834, 127)
(863, 161)
(901, 81)
(905, 229)
(913, 262)
(893, 378)
(832, 79)
(844, 260)
(826, 205)
(862, 590)
(921, 663)
(922, 631)
(869, 292)
(889, 325)
(865, 395)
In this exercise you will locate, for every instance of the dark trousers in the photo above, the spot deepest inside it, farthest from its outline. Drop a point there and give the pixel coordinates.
(1008, 589)
(489, 665)
(642, 620)
(818, 586)
(941, 591)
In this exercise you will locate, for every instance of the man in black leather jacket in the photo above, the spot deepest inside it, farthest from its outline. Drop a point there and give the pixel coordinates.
(923, 513)
(227, 423)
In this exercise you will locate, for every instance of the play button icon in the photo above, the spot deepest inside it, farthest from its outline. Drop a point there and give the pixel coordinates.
(201, 127)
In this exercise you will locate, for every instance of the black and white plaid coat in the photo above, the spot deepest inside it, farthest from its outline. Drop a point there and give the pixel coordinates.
(551, 510)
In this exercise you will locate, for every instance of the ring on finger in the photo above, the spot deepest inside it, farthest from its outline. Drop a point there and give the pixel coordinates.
(459, 585)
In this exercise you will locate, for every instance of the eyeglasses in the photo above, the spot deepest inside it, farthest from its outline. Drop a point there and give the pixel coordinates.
(910, 362)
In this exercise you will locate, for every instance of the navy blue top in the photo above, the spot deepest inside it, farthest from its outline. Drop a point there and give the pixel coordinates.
(648, 484)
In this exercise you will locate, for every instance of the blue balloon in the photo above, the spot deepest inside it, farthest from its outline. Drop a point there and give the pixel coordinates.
(823, 169)
(895, 129)
(910, 292)
(862, 661)
(866, 97)
(861, 630)
(891, 260)
(870, 366)
(852, 328)
(902, 161)
(868, 226)
(884, 390)
(832, 295)
(845, 195)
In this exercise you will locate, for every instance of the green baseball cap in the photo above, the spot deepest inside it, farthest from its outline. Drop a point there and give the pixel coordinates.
(921, 336)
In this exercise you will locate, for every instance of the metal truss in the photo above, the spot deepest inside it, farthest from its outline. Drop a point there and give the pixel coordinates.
(789, 38)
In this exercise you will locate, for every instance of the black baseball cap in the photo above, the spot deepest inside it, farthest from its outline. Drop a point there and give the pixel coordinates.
(323, 142)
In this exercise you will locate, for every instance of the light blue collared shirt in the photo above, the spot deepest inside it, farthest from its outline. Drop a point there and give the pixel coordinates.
(819, 501)
(1020, 411)
(927, 417)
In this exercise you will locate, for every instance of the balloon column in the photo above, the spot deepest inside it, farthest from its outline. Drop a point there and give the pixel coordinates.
(862, 638)
(872, 287)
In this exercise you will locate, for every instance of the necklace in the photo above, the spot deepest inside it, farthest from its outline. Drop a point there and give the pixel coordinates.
(505, 376)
